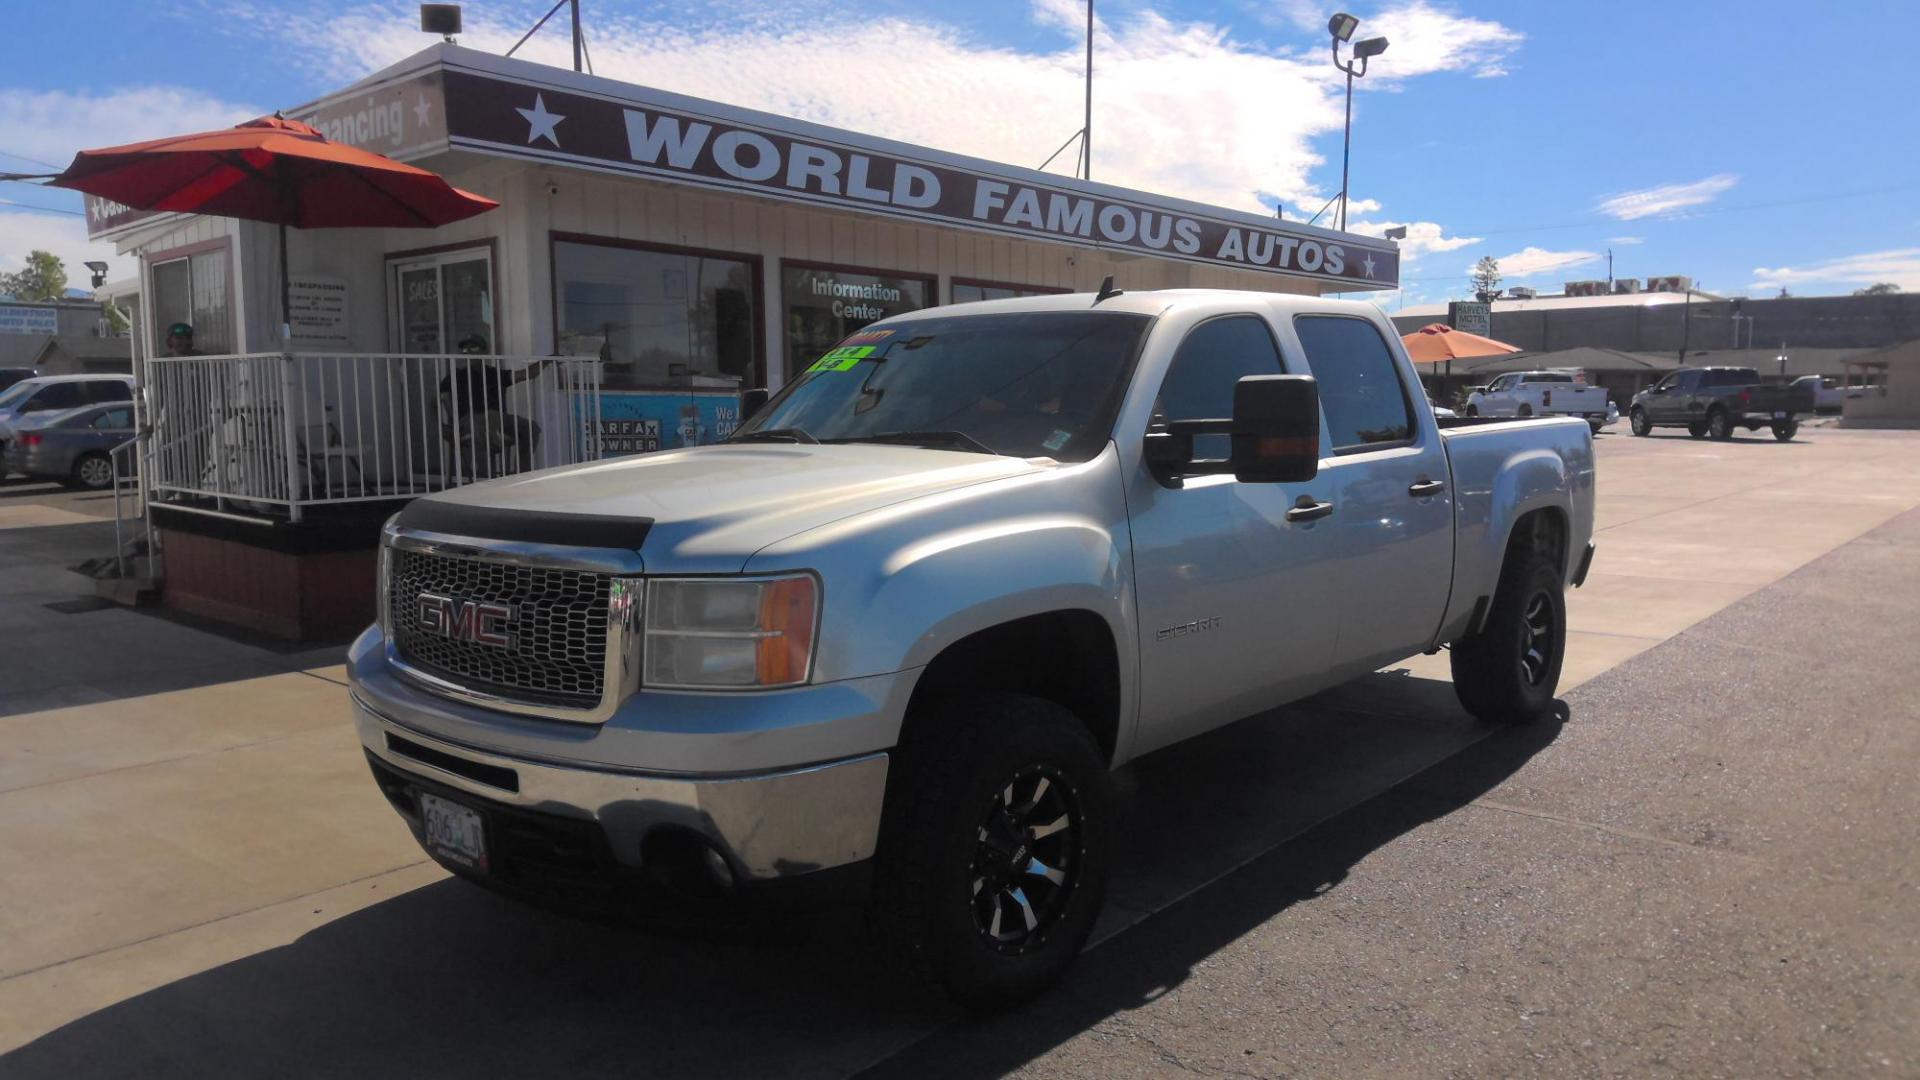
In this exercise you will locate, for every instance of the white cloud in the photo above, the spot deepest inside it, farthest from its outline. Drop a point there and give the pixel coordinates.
(51, 125)
(1423, 39)
(1900, 266)
(1182, 108)
(1533, 262)
(1666, 199)
(1423, 237)
(1626, 239)
(65, 236)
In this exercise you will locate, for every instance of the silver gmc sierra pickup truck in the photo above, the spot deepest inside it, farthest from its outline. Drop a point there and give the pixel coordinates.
(907, 619)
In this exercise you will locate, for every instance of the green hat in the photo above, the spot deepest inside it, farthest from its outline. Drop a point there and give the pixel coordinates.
(179, 329)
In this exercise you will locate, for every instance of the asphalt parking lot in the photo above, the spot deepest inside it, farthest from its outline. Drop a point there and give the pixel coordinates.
(1705, 864)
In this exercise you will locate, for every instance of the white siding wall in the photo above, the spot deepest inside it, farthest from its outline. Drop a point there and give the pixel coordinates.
(537, 201)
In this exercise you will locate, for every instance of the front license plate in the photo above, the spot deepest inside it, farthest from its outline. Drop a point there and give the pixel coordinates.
(454, 833)
(1779, 414)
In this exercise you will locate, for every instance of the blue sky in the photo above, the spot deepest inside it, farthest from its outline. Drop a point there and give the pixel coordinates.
(1749, 145)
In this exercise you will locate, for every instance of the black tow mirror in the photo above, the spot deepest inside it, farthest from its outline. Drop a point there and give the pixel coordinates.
(1274, 433)
(1276, 429)
(752, 401)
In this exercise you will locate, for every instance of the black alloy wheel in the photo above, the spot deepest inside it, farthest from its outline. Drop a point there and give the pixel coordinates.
(1539, 644)
(1027, 863)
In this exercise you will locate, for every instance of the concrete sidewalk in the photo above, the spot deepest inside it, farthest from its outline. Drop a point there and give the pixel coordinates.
(200, 871)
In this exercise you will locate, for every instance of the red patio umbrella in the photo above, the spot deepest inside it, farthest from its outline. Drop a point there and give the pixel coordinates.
(275, 170)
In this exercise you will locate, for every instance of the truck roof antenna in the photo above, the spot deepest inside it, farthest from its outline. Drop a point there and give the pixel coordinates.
(1107, 290)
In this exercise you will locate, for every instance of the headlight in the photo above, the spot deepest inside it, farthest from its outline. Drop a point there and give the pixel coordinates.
(719, 633)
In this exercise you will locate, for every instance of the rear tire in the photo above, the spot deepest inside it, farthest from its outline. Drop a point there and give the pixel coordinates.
(1719, 425)
(93, 471)
(1638, 422)
(1525, 410)
(1507, 673)
(1473, 410)
(1787, 430)
(997, 815)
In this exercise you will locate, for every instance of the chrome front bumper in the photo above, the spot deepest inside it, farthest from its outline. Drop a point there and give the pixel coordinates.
(768, 825)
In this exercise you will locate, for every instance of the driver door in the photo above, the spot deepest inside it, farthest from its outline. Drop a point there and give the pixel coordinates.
(1237, 604)
(1499, 396)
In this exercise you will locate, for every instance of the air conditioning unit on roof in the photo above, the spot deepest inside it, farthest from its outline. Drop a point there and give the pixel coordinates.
(1675, 283)
(1521, 292)
(1626, 285)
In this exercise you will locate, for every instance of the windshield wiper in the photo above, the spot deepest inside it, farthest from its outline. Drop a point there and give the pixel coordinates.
(933, 440)
(776, 434)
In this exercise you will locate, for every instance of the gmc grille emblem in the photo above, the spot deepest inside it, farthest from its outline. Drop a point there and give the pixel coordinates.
(483, 623)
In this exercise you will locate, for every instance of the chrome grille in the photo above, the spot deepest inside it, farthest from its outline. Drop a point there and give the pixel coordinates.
(558, 648)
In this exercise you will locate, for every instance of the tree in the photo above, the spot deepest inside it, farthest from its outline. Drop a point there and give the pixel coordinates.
(45, 278)
(1884, 288)
(1485, 278)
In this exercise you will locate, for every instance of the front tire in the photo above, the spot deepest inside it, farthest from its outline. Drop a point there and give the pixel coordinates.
(994, 853)
(1637, 420)
(1786, 430)
(1507, 673)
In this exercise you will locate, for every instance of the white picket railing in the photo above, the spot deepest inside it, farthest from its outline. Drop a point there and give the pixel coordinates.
(273, 433)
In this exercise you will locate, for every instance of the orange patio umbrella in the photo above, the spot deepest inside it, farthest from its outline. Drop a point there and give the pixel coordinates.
(1437, 342)
(275, 170)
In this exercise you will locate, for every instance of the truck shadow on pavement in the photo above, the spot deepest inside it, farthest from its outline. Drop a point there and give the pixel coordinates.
(449, 980)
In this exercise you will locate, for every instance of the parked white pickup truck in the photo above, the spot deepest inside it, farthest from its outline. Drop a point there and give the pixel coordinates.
(904, 623)
(1540, 393)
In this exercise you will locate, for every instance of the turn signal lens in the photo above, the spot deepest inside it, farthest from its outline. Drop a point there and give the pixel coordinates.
(729, 633)
(786, 618)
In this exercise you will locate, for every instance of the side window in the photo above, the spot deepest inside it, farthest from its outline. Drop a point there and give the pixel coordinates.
(1500, 384)
(1361, 394)
(1214, 356)
(113, 419)
(58, 396)
(109, 390)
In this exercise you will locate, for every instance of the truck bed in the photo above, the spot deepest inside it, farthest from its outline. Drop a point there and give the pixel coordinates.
(1534, 460)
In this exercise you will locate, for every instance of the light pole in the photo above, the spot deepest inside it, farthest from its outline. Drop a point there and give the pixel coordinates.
(1341, 26)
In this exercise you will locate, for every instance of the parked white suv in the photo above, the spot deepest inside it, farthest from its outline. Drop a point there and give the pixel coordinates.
(1540, 393)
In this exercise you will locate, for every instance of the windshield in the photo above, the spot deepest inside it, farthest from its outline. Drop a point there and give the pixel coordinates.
(14, 394)
(1040, 384)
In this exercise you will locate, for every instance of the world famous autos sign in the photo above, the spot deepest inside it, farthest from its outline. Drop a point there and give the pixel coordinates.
(686, 141)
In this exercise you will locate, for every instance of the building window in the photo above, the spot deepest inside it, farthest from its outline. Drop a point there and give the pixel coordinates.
(825, 304)
(443, 302)
(966, 291)
(193, 290)
(657, 317)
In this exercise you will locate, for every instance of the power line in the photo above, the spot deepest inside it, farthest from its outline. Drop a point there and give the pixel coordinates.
(35, 160)
(42, 209)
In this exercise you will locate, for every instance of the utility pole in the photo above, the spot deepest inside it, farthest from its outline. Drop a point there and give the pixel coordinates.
(1086, 127)
(1686, 326)
(1609, 270)
(575, 5)
(1346, 151)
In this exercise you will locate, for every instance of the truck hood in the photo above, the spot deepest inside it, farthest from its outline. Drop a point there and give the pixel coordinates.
(712, 507)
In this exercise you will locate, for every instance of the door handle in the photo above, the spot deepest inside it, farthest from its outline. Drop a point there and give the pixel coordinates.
(1308, 510)
(1422, 488)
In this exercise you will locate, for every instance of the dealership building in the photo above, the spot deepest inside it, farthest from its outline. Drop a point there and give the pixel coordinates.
(683, 249)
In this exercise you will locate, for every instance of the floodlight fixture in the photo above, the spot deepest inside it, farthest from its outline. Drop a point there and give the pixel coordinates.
(1341, 26)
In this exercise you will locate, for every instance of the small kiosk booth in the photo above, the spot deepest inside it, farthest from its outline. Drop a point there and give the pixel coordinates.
(664, 252)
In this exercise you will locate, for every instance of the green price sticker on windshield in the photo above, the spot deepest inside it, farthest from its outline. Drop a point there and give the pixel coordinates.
(843, 358)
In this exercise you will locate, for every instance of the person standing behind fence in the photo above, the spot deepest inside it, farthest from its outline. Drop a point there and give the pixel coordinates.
(493, 441)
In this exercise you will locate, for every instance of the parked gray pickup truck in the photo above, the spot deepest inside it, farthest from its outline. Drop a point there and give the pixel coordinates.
(909, 617)
(1715, 400)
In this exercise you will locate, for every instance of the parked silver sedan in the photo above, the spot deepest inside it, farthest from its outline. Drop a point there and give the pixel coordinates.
(74, 447)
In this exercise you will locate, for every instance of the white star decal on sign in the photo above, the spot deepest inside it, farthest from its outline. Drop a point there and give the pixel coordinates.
(1366, 265)
(422, 111)
(540, 122)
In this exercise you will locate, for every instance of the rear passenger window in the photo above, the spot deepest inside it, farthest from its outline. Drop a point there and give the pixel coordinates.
(1361, 394)
(109, 390)
(1199, 383)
